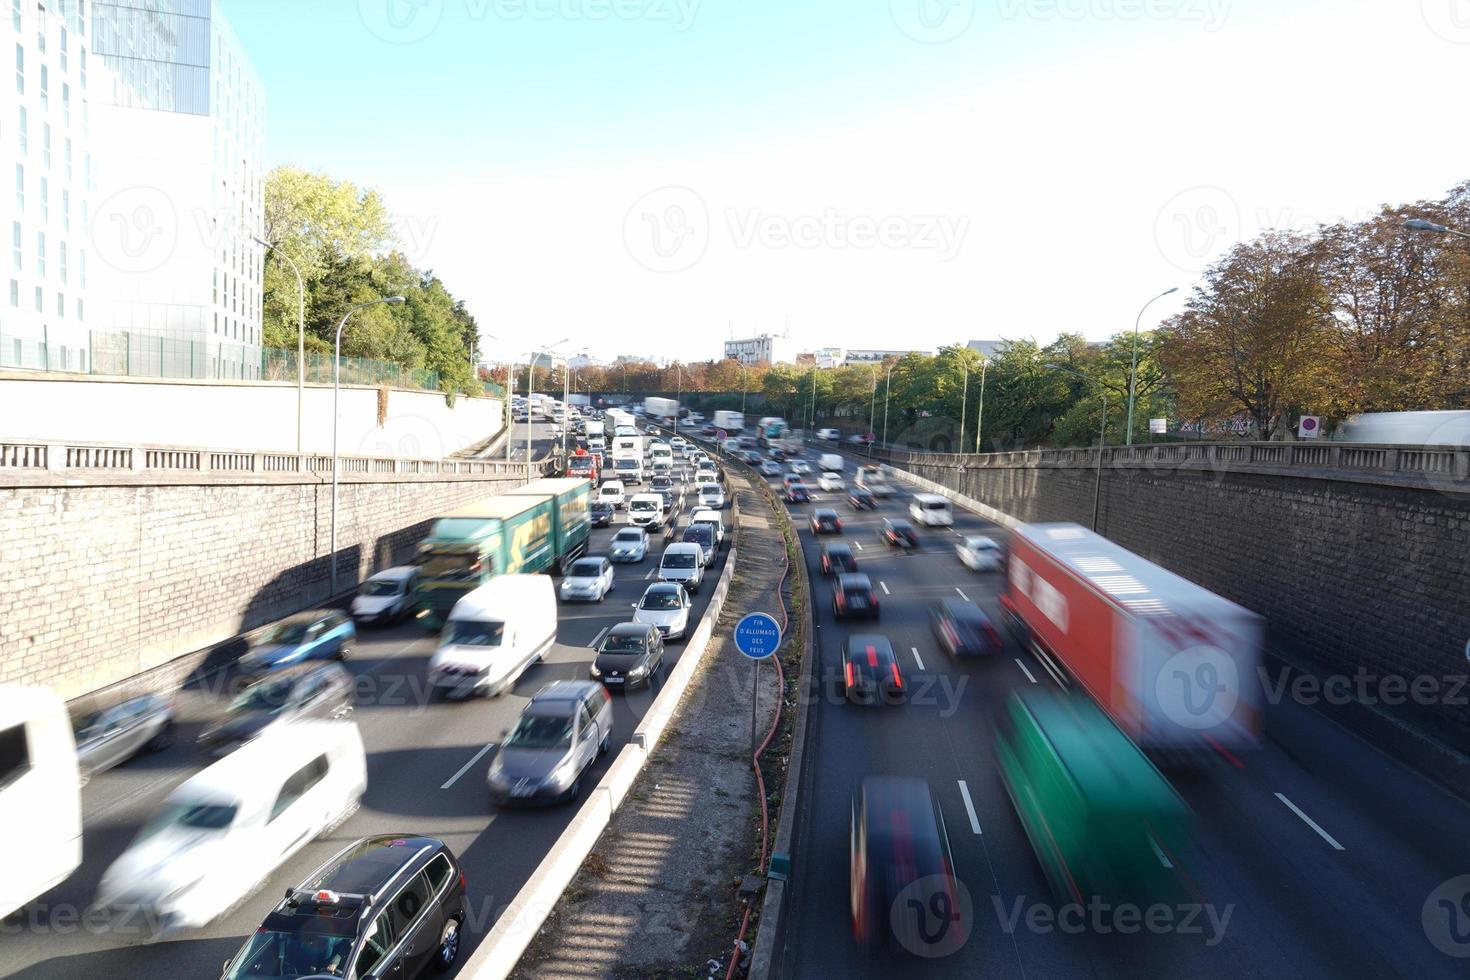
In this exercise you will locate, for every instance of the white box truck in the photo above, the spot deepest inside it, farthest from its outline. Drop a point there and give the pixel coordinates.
(660, 408)
(731, 422)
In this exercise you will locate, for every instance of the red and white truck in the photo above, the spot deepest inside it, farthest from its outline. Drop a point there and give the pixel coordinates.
(1174, 665)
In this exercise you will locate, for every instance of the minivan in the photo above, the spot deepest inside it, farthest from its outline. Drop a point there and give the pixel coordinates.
(629, 469)
(40, 799)
(229, 826)
(931, 510)
(683, 562)
(831, 463)
(494, 634)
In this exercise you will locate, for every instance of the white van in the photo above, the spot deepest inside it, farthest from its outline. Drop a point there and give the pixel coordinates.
(932, 510)
(710, 516)
(646, 510)
(228, 827)
(682, 562)
(628, 469)
(831, 463)
(40, 795)
(494, 634)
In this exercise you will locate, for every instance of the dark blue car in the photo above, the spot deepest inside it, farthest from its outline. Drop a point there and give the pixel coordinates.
(322, 634)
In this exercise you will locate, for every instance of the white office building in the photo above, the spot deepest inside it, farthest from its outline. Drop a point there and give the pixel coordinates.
(767, 347)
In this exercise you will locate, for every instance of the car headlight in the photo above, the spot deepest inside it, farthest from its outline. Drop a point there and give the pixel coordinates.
(594, 671)
(638, 671)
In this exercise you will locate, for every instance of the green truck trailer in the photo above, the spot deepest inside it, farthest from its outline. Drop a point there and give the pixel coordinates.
(540, 527)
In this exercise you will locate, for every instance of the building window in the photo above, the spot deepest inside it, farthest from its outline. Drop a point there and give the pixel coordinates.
(63, 50)
(40, 300)
(82, 54)
(45, 88)
(61, 260)
(25, 136)
(20, 70)
(41, 254)
(61, 305)
(15, 14)
(45, 201)
(17, 258)
(65, 209)
(66, 103)
(81, 310)
(20, 188)
(15, 293)
(82, 267)
(66, 157)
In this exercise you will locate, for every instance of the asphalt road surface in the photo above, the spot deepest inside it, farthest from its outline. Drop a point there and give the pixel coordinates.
(426, 775)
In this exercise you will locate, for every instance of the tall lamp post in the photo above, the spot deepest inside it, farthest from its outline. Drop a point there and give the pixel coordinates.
(1102, 435)
(336, 393)
(872, 408)
(980, 422)
(300, 334)
(743, 389)
(964, 394)
(1133, 368)
(887, 387)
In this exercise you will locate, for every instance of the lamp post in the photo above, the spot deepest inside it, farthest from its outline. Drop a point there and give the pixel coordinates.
(872, 408)
(743, 369)
(964, 394)
(1419, 224)
(1133, 369)
(887, 388)
(300, 335)
(980, 422)
(336, 393)
(1102, 436)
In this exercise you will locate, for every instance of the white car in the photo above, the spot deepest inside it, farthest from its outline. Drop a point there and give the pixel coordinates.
(830, 481)
(387, 596)
(611, 492)
(666, 606)
(710, 495)
(828, 435)
(629, 544)
(589, 579)
(800, 466)
(678, 442)
(980, 554)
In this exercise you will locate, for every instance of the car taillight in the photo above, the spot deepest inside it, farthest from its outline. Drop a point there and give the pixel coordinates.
(847, 673)
(897, 680)
(842, 598)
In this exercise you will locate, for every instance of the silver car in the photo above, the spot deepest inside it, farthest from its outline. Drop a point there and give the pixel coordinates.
(567, 725)
(629, 544)
(108, 737)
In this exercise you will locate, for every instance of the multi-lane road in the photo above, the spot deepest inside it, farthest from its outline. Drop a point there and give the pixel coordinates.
(427, 763)
(1314, 856)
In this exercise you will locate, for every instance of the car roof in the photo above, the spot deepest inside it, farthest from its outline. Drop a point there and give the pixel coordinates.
(961, 609)
(395, 574)
(897, 522)
(630, 629)
(854, 580)
(879, 642)
(663, 587)
(825, 512)
(837, 548)
(632, 531)
(368, 865)
(558, 691)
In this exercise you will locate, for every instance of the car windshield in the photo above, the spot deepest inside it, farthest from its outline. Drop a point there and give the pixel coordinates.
(981, 544)
(309, 952)
(660, 600)
(193, 816)
(293, 632)
(586, 569)
(623, 643)
(474, 633)
(266, 696)
(679, 561)
(379, 587)
(627, 537)
(626, 464)
(643, 505)
(541, 732)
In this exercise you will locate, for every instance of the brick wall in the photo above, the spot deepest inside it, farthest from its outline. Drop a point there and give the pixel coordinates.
(104, 579)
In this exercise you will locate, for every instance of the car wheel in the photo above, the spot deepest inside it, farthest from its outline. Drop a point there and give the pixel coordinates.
(448, 946)
(605, 744)
(163, 739)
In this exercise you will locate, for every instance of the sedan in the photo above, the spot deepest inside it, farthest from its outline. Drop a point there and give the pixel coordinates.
(319, 635)
(870, 671)
(854, 597)
(770, 467)
(800, 466)
(108, 737)
(980, 554)
(787, 479)
(861, 498)
(899, 852)
(567, 725)
(962, 628)
(629, 655)
(825, 521)
(589, 579)
(838, 559)
(629, 544)
(830, 481)
(601, 513)
(666, 606)
(797, 493)
(754, 458)
(899, 533)
(300, 693)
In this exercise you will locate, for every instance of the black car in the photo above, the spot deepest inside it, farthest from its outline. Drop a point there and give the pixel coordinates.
(670, 498)
(854, 597)
(899, 533)
(962, 628)
(752, 457)
(601, 513)
(870, 671)
(797, 493)
(629, 655)
(826, 521)
(296, 693)
(778, 454)
(837, 559)
(899, 852)
(382, 907)
(861, 498)
(704, 536)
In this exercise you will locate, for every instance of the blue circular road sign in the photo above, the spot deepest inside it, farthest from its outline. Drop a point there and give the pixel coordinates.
(757, 636)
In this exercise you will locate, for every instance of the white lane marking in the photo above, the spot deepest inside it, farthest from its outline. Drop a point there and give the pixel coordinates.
(650, 574)
(884, 587)
(858, 545)
(970, 807)
(917, 659)
(466, 768)
(598, 638)
(1025, 670)
(1311, 823)
(962, 593)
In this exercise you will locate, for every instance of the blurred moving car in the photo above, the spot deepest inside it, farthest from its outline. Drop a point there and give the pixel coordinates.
(321, 634)
(298, 693)
(630, 545)
(601, 513)
(711, 495)
(854, 597)
(837, 559)
(770, 467)
(493, 635)
(589, 579)
(870, 672)
(666, 606)
(40, 799)
(611, 492)
(682, 562)
(828, 435)
(109, 736)
(704, 535)
(630, 654)
(899, 533)
(980, 553)
(830, 481)
(381, 907)
(561, 732)
(226, 828)
(963, 629)
(931, 510)
(824, 520)
(800, 466)
(385, 597)
(861, 438)
(797, 493)
(899, 849)
(861, 498)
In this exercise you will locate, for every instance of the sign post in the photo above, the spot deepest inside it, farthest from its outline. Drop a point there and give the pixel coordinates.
(757, 635)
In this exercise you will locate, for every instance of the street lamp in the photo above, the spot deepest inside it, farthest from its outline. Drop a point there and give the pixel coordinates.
(336, 393)
(1419, 224)
(980, 422)
(887, 387)
(300, 334)
(530, 376)
(1102, 436)
(742, 389)
(1133, 370)
(872, 407)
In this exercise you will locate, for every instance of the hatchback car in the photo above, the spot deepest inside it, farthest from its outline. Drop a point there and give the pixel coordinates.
(706, 537)
(800, 466)
(899, 851)
(754, 458)
(838, 559)
(777, 453)
(980, 554)
(899, 533)
(323, 634)
(854, 597)
(861, 498)
(629, 655)
(870, 673)
(790, 479)
(666, 606)
(662, 482)
(710, 495)
(611, 492)
(601, 513)
(386, 597)
(770, 467)
(589, 579)
(825, 521)
(381, 907)
(630, 544)
(561, 732)
(797, 493)
(963, 629)
(299, 693)
(107, 736)
(830, 481)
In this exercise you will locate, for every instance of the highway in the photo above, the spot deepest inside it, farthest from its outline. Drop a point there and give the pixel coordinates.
(426, 774)
(1314, 856)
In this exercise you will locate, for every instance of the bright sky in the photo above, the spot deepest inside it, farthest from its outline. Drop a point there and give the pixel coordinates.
(639, 174)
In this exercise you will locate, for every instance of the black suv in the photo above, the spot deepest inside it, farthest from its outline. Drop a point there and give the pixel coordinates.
(383, 907)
